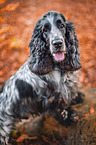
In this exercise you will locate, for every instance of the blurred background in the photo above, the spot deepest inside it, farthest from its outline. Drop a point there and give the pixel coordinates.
(17, 21)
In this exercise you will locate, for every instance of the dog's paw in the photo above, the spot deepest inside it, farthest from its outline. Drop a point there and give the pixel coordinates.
(66, 116)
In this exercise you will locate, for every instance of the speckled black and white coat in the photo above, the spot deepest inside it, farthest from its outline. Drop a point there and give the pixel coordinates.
(42, 77)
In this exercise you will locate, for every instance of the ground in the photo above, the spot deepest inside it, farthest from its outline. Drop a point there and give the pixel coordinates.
(18, 18)
(17, 21)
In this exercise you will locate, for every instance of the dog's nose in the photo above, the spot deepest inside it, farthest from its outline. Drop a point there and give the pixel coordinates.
(57, 43)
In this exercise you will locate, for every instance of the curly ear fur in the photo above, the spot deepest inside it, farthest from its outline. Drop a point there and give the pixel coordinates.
(40, 60)
(72, 60)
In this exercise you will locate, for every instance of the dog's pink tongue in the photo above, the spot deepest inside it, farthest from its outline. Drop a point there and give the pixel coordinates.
(59, 56)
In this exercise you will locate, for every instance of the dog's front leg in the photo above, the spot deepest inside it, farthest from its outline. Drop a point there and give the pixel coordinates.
(6, 125)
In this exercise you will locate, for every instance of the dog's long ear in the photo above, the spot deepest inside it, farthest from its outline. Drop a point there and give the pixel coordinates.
(72, 60)
(40, 60)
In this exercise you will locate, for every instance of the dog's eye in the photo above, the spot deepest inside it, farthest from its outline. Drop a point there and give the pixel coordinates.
(60, 24)
(46, 28)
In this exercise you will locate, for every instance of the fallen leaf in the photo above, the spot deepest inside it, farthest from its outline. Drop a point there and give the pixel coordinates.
(10, 7)
(5, 29)
(2, 1)
(92, 110)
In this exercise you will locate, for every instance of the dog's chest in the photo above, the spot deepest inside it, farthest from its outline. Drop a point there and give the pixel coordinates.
(54, 78)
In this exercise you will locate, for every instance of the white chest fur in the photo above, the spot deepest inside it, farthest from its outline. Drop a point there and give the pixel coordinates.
(55, 77)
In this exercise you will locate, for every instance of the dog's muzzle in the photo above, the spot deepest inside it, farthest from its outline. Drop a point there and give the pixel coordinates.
(59, 50)
(57, 44)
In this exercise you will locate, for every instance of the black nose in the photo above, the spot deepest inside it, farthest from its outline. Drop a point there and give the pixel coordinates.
(57, 43)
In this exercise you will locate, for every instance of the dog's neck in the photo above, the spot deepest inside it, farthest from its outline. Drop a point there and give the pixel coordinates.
(58, 68)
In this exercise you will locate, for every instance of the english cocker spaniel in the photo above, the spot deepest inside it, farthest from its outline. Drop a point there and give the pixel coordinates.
(47, 81)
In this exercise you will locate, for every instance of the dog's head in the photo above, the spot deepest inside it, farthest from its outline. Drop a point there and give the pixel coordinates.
(53, 42)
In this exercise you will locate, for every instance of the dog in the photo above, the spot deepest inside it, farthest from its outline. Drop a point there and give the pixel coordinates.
(47, 80)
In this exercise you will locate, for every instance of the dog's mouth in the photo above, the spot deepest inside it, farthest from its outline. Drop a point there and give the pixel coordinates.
(59, 55)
